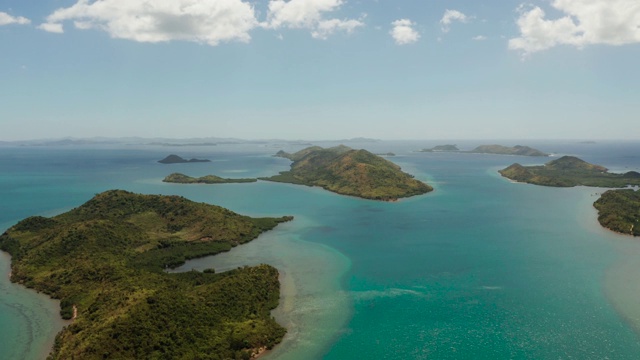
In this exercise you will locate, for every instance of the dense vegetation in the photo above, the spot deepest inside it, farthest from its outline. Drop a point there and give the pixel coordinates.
(105, 261)
(350, 172)
(175, 159)
(619, 210)
(207, 179)
(505, 150)
(569, 171)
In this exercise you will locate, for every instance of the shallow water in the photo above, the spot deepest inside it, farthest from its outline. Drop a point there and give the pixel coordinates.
(481, 268)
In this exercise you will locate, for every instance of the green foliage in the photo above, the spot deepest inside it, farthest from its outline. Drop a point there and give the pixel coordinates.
(569, 171)
(207, 179)
(351, 172)
(619, 210)
(105, 259)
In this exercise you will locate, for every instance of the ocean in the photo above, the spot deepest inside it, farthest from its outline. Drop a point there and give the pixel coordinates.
(481, 268)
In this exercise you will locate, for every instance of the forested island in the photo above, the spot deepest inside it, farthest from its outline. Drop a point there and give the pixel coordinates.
(508, 150)
(179, 178)
(105, 261)
(442, 148)
(619, 210)
(175, 159)
(569, 171)
(489, 149)
(352, 172)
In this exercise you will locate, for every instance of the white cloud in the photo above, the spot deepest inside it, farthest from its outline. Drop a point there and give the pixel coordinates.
(586, 22)
(479, 38)
(6, 19)
(203, 21)
(449, 17)
(403, 32)
(51, 27)
(308, 14)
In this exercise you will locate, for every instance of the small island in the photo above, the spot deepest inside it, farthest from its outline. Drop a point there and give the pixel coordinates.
(106, 261)
(179, 178)
(442, 148)
(175, 159)
(569, 171)
(506, 150)
(489, 149)
(619, 210)
(352, 172)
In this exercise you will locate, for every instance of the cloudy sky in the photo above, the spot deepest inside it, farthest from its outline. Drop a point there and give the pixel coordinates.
(320, 69)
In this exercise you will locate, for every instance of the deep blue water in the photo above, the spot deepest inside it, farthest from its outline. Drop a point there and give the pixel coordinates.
(481, 268)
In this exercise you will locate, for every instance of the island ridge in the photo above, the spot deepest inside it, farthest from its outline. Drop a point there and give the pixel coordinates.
(352, 172)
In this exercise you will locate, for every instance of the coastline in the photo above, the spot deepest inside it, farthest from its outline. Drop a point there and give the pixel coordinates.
(40, 312)
(313, 306)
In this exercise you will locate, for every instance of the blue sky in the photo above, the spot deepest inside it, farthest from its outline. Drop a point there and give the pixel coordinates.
(320, 69)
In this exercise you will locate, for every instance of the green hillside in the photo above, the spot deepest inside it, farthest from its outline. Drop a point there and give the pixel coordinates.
(569, 171)
(619, 210)
(350, 172)
(506, 150)
(179, 178)
(105, 261)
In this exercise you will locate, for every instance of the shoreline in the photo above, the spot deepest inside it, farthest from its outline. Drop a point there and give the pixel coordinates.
(43, 318)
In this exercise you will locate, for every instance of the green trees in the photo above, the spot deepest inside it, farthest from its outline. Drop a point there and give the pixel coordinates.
(619, 210)
(350, 172)
(105, 261)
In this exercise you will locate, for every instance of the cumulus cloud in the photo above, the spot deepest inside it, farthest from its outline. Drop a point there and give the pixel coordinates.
(403, 32)
(309, 14)
(51, 27)
(449, 17)
(203, 21)
(585, 22)
(479, 38)
(6, 19)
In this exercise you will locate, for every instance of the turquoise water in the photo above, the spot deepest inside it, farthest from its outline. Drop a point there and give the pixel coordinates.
(481, 268)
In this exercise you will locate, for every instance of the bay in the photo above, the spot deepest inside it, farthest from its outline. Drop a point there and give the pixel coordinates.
(481, 268)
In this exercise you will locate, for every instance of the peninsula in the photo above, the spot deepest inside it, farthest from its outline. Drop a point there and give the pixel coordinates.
(105, 261)
(619, 210)
(569, 171)
(175, 159)
(352, 172)
(207, 179)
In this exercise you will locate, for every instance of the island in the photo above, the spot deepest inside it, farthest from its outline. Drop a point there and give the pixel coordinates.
(489, 149)
(506, 150)
(352, 172)
(106, 261)
(442, 148)
(619, 210)
(175, 159)
(569, 171)
(179, 178)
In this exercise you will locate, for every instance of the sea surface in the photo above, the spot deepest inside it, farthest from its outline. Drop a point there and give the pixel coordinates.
(481, 268)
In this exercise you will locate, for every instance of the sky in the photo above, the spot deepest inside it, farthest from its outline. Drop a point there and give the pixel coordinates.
(320, 69)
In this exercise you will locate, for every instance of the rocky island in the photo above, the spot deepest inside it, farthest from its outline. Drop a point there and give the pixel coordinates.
(352, 172)
(569, 171)
(105, 261)
(179, 178)
(619, 210)
(175, 159)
